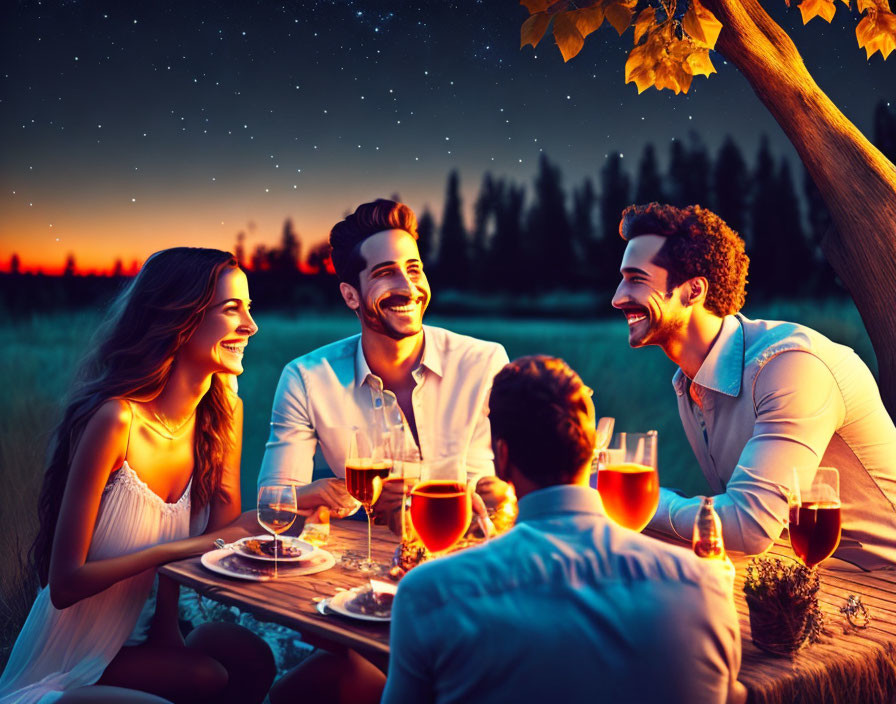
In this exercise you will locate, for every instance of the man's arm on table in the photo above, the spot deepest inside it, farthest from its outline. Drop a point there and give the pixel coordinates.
(798, 409)
(289, 452)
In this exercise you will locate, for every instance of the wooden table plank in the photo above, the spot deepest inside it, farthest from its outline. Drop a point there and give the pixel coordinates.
(290, 602)
(825, 671)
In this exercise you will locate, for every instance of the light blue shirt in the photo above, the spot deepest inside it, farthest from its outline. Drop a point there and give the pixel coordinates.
(778, 397)
(326, 393)
(565, 607)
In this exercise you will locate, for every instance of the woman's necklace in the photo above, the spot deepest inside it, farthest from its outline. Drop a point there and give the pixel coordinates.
(173, 433)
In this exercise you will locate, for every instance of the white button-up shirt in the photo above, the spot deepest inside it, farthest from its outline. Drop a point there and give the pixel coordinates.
(565, 607)
(326, 393)
(778, 397)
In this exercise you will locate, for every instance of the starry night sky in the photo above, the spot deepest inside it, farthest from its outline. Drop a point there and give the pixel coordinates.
(129, 127)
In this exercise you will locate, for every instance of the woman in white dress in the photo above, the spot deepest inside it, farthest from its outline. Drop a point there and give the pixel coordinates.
(145, 459)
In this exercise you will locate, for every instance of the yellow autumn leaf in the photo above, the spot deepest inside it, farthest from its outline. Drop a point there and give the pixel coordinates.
(638, 68)
(701, 25)
(568, 38)
(810, 9)
(645, 21)
(587, 19)
(619, 13)
(698, 63)
(533, 29)
(877, 32)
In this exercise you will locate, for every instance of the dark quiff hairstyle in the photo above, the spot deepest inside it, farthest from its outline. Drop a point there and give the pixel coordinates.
(347, 235)
(131, 357)
(538, 406)
(698, 243)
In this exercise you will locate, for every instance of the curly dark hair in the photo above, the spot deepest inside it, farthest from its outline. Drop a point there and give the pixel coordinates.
(698, 243)
(347, 235)
(538, 406)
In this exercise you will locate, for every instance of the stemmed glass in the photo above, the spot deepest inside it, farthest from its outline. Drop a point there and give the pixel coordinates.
(441, 505)
(814, 515)
(276, 511)
(366, 466)
(627, 479)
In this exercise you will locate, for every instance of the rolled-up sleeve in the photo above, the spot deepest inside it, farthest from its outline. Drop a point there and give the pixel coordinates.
(289, 451)
(798, 408)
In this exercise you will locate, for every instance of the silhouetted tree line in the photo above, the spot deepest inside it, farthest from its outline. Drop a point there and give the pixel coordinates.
(549, 240)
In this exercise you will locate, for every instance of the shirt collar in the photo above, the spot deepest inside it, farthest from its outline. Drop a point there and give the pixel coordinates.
(723, 368)
(432, 360)
(555, 500)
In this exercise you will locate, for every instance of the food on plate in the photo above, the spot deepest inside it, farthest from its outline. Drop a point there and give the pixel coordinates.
(372, 602)
(264, 547)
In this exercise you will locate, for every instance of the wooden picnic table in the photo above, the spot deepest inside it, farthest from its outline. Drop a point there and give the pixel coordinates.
(850, 665)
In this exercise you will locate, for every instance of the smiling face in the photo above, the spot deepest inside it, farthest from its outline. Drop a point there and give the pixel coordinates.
(394, 290)
(654, 313)
(218, 342)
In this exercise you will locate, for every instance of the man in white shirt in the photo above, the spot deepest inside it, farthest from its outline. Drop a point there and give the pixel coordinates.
(566, 606)
(434, 382)
(763, 403)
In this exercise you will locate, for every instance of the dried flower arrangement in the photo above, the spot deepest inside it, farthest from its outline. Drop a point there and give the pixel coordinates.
(783, 602)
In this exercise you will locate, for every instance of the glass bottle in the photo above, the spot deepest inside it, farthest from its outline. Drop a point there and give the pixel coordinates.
(708, 541)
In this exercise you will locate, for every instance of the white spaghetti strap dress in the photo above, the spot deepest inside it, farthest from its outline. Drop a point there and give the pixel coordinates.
(58, 650)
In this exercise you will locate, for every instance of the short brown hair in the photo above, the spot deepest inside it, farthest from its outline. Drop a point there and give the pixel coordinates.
(536, 406)
(698, 243)
(347, 235)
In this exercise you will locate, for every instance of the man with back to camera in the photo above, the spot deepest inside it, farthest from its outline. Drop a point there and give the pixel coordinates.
(758, 399)
(435, 381)
(567, 603)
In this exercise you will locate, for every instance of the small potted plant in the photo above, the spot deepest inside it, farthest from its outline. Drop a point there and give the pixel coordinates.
(783, 602)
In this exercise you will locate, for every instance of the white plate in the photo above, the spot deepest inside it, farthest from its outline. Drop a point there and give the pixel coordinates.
(338, 604)
(227, 562)
(294, 543)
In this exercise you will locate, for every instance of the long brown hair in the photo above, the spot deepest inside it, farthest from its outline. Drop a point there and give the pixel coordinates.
(131, 358)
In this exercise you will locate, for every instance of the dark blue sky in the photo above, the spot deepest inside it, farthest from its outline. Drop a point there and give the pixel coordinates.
(127, 127)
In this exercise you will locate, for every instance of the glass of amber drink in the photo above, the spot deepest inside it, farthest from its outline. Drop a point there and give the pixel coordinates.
(441, 506)
(814, 517)
(366, 466)
(627, 479)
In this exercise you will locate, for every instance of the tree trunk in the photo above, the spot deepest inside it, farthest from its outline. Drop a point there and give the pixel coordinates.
(857, 182)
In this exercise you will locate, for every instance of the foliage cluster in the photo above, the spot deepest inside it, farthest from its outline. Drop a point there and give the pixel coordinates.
(673, 38)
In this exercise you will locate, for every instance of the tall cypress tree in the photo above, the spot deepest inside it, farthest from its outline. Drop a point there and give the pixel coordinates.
(508, 262)
(453, 256)
(765, 232)
(615, 195)
(650, 182)
(584, 201)
(549, 232)
(426, 230)
(731, 185)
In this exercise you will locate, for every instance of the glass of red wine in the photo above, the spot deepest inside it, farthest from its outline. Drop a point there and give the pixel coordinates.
(441, 505)
(814, 517)
(366, 466)
(276, 511)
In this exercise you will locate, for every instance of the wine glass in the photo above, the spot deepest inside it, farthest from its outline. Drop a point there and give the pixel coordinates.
(627, 479)
(366, 466)
(814, 517)
(441, 505)
(276, 511)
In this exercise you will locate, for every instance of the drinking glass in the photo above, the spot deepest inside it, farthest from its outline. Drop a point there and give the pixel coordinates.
(276, 510)
(814, 514)
(627, 479)
(366, 466)
(441, 506)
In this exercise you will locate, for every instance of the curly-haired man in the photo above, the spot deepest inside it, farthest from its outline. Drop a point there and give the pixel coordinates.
(763, 403)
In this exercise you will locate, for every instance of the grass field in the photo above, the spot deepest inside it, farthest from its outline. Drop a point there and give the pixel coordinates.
(37, 359)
